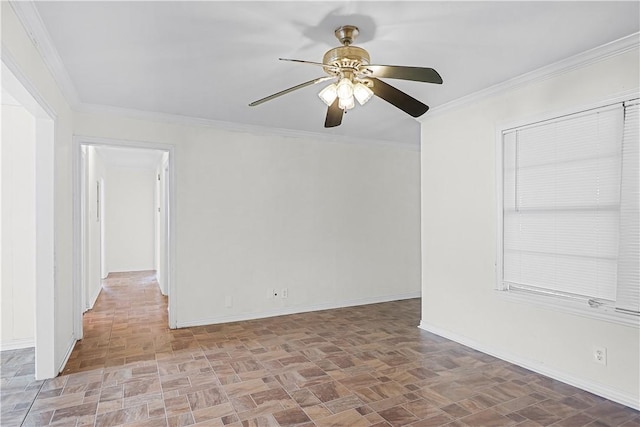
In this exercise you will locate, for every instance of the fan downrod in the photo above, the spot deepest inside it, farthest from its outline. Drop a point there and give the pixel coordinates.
(347, 34)
(346, 56)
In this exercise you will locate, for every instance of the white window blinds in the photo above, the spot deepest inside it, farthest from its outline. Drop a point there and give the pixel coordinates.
(570, 205)
(628, 298)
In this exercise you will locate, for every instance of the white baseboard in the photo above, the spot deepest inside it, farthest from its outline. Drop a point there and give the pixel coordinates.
(596, 388)
(283, 311)
(70, 346)
(95, 298)
(17, 344)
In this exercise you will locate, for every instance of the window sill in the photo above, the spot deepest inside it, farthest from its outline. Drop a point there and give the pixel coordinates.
(575, 307)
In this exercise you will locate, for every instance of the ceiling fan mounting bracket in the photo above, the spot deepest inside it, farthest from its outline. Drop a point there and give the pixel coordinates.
(347, 34)
(347, 57)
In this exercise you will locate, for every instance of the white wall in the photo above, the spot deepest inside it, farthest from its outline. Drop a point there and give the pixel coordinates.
(130, 218)
(336, 223)
(459, 239)
(18, 257)
(17, 46)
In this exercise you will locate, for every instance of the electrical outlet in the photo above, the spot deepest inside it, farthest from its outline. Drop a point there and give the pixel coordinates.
(600, 355)
(285, 293)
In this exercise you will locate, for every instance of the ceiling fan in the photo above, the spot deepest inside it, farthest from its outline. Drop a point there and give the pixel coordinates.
(356, 79)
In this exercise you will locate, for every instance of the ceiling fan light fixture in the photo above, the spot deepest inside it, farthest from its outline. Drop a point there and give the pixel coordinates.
(329, 94)
(345, 88)
(362, 93)
(355, 78)
(346, 103)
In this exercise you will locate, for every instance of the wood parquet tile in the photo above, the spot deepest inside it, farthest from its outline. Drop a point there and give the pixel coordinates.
(359, 366)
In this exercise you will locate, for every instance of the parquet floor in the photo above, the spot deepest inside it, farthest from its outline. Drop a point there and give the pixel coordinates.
(361, 366)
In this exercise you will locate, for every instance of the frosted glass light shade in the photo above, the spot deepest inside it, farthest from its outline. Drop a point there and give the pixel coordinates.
(346, 103)
(329, 94)
(362, 93)
(345, 88)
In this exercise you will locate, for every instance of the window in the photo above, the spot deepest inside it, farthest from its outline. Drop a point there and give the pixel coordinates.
(569, 216)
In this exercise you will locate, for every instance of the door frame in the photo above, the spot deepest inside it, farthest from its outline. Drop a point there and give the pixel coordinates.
(20, 87)
(78, 230)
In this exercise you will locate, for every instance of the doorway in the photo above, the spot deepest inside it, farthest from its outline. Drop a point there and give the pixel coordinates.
(32, 172)
(108, 211)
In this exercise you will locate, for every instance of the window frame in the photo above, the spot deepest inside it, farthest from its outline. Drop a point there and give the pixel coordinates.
(577, 305)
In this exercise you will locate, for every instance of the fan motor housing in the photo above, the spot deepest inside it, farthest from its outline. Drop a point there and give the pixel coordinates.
(346, 56)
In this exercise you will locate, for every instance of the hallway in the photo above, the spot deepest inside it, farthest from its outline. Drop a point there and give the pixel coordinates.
(360, 366)
(127, 324)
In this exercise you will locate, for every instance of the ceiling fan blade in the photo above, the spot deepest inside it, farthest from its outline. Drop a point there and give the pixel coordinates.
(291, 89)
(417, 74)
(398, 98)
(334, 115)
(310, 63)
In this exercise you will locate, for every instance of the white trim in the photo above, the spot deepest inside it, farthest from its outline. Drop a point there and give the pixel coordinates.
(36, 31)
(573, 306)
(538, 367)
(93, 300)
(171, 242)
(617, 98)
(21, 88)
(499, 265)
(238, 127)
(78, 236)
(298, 309)
(45, 249)
(83, 230)
(10, 62)
(591, 56)
(70, 346)
(17, 344)
(123, 143)
(78, 141)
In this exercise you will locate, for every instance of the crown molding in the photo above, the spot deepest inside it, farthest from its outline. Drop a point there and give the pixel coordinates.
(32, 22)
(37, 32)
(174, 119)
(12, 65)
(591, 56)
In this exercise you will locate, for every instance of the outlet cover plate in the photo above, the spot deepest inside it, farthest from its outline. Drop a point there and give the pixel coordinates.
(600, 355)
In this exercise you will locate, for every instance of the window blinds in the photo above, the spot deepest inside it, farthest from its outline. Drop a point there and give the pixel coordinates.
(569, 208)
(628, 298)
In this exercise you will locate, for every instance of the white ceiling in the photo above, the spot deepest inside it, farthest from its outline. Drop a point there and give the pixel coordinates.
(209, 59)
